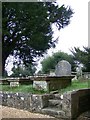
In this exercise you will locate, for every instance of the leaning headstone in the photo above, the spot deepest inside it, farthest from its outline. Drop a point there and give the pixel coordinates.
(63, 68)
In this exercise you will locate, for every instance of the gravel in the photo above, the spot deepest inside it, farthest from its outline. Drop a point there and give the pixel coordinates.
(8, 112)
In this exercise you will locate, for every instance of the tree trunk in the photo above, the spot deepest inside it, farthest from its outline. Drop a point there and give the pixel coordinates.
(4, 57)
(3, 67)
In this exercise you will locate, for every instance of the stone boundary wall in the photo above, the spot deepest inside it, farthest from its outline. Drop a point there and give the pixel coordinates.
(80, 102)
(73, 103)
(26, 101)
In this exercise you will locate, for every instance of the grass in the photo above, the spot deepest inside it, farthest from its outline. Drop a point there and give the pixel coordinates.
(21, 88)
(76, 85)
(29, 89)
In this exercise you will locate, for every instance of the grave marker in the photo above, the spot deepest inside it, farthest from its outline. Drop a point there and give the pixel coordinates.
(63, 68)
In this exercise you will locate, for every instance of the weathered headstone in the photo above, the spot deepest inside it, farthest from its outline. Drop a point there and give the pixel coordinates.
(79, 71)
(52, 73)
(40, 85)
(14, 84)
(61, 78)
(63, 68)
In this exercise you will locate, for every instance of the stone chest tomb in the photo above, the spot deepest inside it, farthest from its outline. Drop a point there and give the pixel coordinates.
(61, 79)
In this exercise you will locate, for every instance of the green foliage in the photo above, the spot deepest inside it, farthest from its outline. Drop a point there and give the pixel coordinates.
(82, 57)
(5, 74)
(49, 63)
(23, 71)
(27, 28)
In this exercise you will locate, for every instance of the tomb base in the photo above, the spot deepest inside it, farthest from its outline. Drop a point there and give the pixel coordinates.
(51, 83)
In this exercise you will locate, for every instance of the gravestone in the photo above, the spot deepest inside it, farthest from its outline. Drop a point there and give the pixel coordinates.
(79, 72)
(61, 78)
(14, 84)
(40, 85)
(63, 68)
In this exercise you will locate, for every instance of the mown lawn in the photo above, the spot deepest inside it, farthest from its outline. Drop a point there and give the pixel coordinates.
(28, 88)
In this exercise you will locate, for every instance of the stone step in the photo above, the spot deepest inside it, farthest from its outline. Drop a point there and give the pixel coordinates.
(55, 112)
(55, 103)
(54, 92)
(57, 96)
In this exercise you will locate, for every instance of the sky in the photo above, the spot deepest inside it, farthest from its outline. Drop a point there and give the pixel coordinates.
(76, 33)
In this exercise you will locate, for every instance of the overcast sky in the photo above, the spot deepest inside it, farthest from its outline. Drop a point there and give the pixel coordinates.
(76, 33)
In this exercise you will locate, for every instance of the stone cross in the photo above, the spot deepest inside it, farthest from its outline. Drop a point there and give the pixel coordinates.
(63, 68)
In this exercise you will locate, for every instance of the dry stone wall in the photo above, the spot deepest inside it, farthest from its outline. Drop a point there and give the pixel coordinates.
(73, 103)
(27, 101)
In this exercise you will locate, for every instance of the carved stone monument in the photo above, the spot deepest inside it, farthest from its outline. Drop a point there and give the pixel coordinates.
(63, 68)
(61, 79)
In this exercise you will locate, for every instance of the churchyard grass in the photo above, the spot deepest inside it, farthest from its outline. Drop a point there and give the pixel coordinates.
(28, 88)
(21, 88)
(75, 85)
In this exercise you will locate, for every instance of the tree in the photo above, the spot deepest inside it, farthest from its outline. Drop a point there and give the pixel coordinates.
(23, 71)
(27, 28)
(82, 57)
(49, 63)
